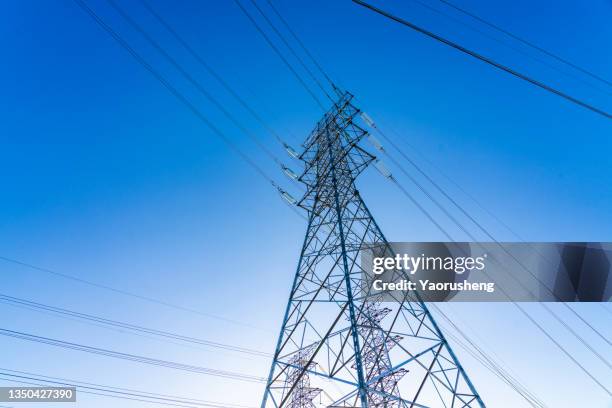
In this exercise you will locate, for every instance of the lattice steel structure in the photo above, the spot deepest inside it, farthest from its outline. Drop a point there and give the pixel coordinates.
(340, 346)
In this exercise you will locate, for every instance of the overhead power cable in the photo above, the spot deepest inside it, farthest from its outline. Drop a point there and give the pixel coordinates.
(190, 106)
(575, 334)
(128, 326)
(279, 53)
(390, 177)
(193, 81)
(524, 312)
(301, 44)
(202, 90)
(483, 229)
(528, 316)
(420, 207)
(481, 356)
(113, 392)
(523, 394)
(200, 59)
(550, 311)
(520, 50)
(122, 291)
(485, 59)
(23, 380)
(528, 43)
(407, 158)
(130, 357)
(292, 50)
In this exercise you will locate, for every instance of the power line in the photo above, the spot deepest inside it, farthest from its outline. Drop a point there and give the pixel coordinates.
(290, 48)
(482, 228)
(517, 305)
(528, 43)
(200, 88)
(574, 333)
(128, 326)
(193, 81)
(584, 342)
(430, 217)
(78, 383)
(301, 44)
(523, 394)
(42, 384)
(130, 357)
(114, 392)
(121, 291)
(190, 106)
(278, 52)
(487, 361)
(519, 50)
(485, 59)
(198, 57)
(528, 316)
(200, 116)
(420, 207)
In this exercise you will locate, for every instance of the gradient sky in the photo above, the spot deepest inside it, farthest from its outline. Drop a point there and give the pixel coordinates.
(105, 176)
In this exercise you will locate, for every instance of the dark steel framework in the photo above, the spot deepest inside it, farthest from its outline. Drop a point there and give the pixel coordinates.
(340, 346)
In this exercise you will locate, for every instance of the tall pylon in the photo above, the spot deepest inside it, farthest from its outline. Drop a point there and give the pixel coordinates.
(339, 345)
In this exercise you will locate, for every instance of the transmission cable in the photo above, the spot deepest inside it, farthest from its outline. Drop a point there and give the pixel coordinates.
(482, 228)
(430, 217)
(467, 214)
(512, 47)
(114, 388)
(114, 392)
(480, 355)
(200, 59)
(486, 59)
(528, 43)
(550, 311)
(191, 107)
(241, 7)
(193, 81)
(23, 380)
(172, 89)
(122, 291)
(292, 50)
(279, 53)
(130, 357)
(104, 322)
(526, 314)
(517, 305)
(301, 44)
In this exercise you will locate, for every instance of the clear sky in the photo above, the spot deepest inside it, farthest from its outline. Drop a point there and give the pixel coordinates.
(105, 176)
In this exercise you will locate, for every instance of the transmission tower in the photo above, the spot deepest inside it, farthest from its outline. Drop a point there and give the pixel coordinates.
(339, 345)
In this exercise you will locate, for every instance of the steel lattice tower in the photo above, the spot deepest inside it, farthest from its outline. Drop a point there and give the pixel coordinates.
(338, 345)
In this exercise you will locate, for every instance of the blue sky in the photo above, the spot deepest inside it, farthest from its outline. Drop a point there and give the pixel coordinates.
(107, 177)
